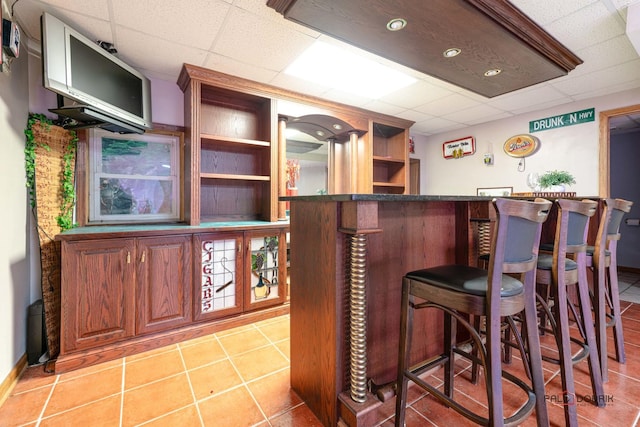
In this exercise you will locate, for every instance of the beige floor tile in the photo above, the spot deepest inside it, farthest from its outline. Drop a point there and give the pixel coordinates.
(84, 389)
(153, 400)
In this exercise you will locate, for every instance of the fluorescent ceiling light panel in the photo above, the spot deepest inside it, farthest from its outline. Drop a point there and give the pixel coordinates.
(333, 67)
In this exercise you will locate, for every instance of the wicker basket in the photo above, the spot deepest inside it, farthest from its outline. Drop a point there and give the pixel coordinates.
(48, 177)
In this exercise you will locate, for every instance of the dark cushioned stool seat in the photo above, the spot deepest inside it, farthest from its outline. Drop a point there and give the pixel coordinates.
(471, 280)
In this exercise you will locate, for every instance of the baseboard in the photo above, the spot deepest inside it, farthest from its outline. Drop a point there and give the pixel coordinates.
(12, 379)
(629, 269)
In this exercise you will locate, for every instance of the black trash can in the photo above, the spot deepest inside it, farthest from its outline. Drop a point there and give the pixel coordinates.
(36, 336)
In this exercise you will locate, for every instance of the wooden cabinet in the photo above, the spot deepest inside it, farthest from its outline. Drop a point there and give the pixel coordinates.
(390, 159)
(231, 150)
(163, 283)
(135, 289)
(98, 289)
(117, 288)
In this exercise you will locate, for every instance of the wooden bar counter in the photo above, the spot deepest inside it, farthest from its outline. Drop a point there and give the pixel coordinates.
(348, 254)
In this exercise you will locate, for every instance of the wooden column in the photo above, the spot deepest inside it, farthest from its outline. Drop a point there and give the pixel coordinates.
(282, 166)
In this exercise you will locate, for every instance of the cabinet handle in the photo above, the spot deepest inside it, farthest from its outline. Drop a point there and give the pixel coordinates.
(143, 255)
(128, 257)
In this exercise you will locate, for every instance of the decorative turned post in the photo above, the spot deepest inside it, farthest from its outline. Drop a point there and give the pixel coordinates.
(358, 318)
(359, 218)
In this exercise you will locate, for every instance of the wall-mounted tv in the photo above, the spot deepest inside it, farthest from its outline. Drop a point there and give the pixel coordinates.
(105, 92)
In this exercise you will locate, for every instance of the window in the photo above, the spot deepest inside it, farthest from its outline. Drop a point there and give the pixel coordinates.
(134, 178)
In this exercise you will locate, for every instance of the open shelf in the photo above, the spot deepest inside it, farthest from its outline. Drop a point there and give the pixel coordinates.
(390, 159)
(231, 153)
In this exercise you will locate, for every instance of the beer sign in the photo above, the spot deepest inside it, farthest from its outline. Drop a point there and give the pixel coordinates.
(458, 148)
(521, 145)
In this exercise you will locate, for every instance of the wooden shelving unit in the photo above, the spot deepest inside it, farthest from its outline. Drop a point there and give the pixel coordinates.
(230, 152)
(390, 159)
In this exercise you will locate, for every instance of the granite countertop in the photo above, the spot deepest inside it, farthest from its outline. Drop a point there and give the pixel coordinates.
(383, 198)
(414, 198)
(97, 231)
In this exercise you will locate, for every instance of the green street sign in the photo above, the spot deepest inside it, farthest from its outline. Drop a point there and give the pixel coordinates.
(569, 119)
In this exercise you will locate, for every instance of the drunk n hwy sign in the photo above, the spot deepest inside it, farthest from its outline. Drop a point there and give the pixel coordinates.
(577, 117)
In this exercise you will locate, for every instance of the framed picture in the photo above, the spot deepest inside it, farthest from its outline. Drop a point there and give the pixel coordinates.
(134, 178)
(459, 148)
(494, 191)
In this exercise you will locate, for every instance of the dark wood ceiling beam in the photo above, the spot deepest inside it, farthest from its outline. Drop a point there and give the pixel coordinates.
(491, 33)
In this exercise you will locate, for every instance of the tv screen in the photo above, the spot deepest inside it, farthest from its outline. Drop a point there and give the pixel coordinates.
(108, 92)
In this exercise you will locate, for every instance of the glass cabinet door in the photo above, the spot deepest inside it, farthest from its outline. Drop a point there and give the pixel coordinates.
(219, 290)
(266, 281)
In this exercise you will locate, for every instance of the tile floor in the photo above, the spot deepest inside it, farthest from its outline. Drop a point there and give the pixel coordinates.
(240, 377)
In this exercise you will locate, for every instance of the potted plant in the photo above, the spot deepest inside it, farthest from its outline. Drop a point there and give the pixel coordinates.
(556, 180)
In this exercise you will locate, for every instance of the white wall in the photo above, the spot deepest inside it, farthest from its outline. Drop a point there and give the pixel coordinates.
(573, 148)
(14, 257)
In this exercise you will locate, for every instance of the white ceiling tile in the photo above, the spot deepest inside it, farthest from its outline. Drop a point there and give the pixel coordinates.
(416, 94)
(383, 107)
(237, 68)
(543, 13)
(165, 19)
(473, 114)
(345, 97)
(541, 107)
(144, 51)
(606, 54)
(538, 94)
(249, 39)
(608, 90)
(590, 25)
(446, 105)
(438, 125)
(415, 116)
(297, 85)
(601, 79)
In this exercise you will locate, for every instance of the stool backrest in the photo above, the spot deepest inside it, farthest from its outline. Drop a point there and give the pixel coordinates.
(609, 227)
(573, 216)
(517, 237)
(618, 208)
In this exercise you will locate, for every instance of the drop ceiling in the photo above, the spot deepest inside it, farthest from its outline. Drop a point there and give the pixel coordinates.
(251, 40)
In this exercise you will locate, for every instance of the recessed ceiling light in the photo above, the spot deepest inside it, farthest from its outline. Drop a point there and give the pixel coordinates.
(450, 53)
(492, 72)
(378, 81)
(337, 126)
(396, 24)
(319, 133)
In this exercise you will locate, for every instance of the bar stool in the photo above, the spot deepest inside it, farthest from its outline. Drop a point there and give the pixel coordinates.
(555, 272)
(460, 291)
(602, 259)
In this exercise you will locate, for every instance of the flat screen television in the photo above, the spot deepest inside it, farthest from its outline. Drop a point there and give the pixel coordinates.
(105, 92)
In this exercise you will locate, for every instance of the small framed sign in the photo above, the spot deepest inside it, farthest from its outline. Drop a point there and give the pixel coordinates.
(494, 191)
(458, 148)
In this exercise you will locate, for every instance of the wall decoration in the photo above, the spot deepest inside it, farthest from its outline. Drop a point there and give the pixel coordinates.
(562, 120)
(458, 148)
(494, 191)
(412, 145)
(522, 145)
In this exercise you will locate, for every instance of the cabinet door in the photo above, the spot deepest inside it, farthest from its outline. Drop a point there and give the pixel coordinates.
(265, 271)
(97, 292)
(218, 275)
(164, 283)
